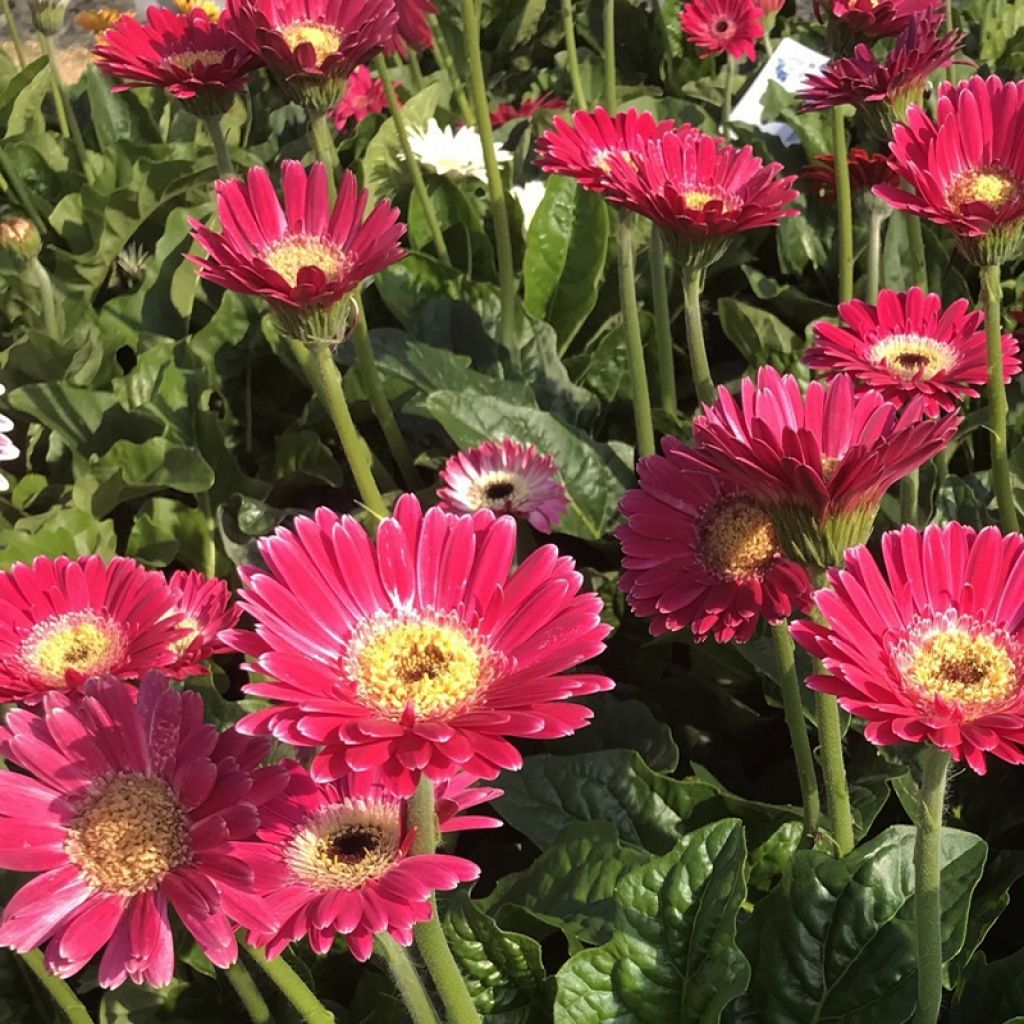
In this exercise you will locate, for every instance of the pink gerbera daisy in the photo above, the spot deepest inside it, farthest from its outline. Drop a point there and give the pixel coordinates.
(723, 26)
(129, 804)
(821, 461)
(509, 478)
(929, 645)
(206, 610)
(506, 112)
(63, 621)
(965, 170)
(699, 551)
(304, 259)
(336, 859)
(363, 96)
(421, 653)
(198, 61)
(908, 345)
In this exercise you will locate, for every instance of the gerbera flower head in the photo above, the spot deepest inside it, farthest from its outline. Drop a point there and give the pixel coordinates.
(337, 859)
(206, 610)
(128, 806)
(457, 155)
(196, 60)
(420, 653)
(883, 88)
(98, 20)
(723, 26)
(47, 15)
(699, 551)
(820, 461)
(506, 112)
(509, 478)
(8, 449)
(927, 645)
(851, 21)
(363, 96)
(907, 346)
(964, 169)
(412, 31)
(866, 171)
(63, 621)
(311, 46)
(304, 259)
(19, 239)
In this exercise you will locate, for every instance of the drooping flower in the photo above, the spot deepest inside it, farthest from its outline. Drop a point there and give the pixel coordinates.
(909, 346)
(8, 449)
(129, 806)
(421, 653)
(850, 21)
(821, 461)
(304, 259)
(456, 155)
(98, 20)
(363, 96)
(507, 477)
(335, 859)
(206, 611)
(196, 60)
(928, 646)
(412, 31)
(505, 112)
(64, 621)
(700, 552)
(866, 171)
(311, 46)
(529, 197)
(723, 26)
(964, 170)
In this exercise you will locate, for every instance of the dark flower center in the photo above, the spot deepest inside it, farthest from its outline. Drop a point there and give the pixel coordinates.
(499, 490)
(722, 27)
(352, 845)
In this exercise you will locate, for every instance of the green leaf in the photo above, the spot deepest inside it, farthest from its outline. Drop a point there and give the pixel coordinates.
(30, 89)
(165, 530)
(992, 993)
(760, 336)
(74, 413)
(59, 531)
(674, 956)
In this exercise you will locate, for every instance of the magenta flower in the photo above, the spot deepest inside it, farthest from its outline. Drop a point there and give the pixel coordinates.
(723, 26)
(206, 610)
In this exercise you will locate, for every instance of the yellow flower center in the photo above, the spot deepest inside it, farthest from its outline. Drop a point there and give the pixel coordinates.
(829, 465)
(993, 187)
(913, 355)
(99, 20)
(185, 641)
(189, 60)
(695, 199)
(291, 255)
(431, 664)
(129, 835)
(211, 9)
(324, 39)
(86, 642)
(737, 539)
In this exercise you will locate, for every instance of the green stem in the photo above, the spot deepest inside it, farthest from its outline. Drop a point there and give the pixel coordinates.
(38, 272)
(68, 119)
(209, 536)
(323, 146)
(248, 994)
(415, 71)
(367, 369)
(292, 987)
(225, 168)
(579, 94)
(611, 91)
(910, 487)
(992, 296)
(59, 990)
(927, 890)
(12, 27)
(785, 655)
(662, 326)
(422, 812)
(693, 285)
(730, 74)
(407, 980)
(830, 738)
(444, 58)
(918, 257)
(56, 88)
(642, 417)
(876, 220)
(844, 205)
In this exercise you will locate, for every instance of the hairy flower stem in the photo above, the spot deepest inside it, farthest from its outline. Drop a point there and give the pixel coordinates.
(248, 994)
(579, 94)
(225, 166)
(785, 656)
(876, 220)
(910, 487)
(844, 204)
(12, 28)
(642, 417)
(444, 58)
(38, 273)
(611, 85)
(419, 186)
(292, 987)
(991, 298)
(65, 111)
(209, 537)
(662, 326)
(58, 989)
(323, 146)
(730, 76)
(407, 980)
(693, 286)
(927, 885)
(918, 257)
(495, 182)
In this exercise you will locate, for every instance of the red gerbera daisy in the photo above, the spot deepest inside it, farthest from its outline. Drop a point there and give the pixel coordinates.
(412, 31)
(965, 170)
(195, 59)
(699, 551)
(850, 20)
(821, 461)
(866, 171)
(205, 610)
(506, 112)
(335, 859)
(363, 96)
(723, 26)
(908, 345)
(64, 621)
(305, 259)
(421, 653)
(929, 646)
(130, 804)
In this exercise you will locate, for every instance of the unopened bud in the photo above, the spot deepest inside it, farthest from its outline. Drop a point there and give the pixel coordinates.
(19, 238)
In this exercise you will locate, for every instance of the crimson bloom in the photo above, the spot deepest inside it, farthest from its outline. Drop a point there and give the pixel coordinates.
(129, 805)
(909, 346)
(850, 20)
(206, 610)
(335, 858)
(820, 461)
(928, 646)
(412, 30)
(506, 112)
(63, 621)
(198, 61)
(363, 96)
(866, 171)
(723, 26)
(304, 259)
(699, 551)
(965, 170)
(420, 653)
(507, 477)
